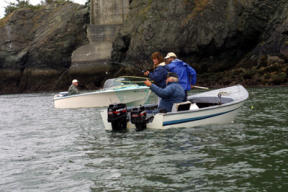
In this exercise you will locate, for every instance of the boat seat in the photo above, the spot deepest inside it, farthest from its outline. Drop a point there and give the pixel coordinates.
(183, 106)
(193, 106)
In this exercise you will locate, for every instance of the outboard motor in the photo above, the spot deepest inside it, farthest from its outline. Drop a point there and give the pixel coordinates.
(139, 118)
(117, 116)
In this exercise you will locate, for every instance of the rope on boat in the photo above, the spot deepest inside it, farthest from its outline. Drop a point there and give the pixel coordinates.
(135, 77)
(199, 87)
(132, 81)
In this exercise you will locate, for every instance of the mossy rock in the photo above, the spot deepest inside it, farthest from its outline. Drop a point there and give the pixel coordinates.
(279, 78)
(249, 74)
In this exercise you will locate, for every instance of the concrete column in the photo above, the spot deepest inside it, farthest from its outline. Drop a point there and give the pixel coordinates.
(109, 11)
(106, 17)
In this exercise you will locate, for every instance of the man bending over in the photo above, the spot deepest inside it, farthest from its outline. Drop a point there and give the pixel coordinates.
(172, 93)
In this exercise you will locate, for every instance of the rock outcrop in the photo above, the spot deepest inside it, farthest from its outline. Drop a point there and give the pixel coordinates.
(36, 46)
(227, 41)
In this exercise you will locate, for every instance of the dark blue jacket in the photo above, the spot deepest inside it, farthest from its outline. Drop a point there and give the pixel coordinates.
(159, 76)
(186, 74)
(172, 93)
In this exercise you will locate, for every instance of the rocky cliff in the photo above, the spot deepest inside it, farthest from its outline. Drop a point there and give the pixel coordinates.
(36, 46)
(226, 41)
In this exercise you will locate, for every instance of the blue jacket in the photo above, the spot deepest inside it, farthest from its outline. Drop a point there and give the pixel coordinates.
(159, 76)
(186, 74)
(172, 93)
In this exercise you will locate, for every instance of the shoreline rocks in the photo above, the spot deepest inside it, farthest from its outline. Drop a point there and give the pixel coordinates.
(227, 42)
(36, 46)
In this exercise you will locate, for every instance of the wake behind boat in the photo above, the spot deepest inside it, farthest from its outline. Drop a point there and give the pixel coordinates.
(212, 107)
(118, 90)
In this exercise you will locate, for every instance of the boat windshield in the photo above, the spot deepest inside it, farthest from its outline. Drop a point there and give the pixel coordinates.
(123, 81)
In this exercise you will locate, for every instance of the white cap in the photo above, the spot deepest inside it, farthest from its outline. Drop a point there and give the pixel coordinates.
(75, 81)
(170, 54)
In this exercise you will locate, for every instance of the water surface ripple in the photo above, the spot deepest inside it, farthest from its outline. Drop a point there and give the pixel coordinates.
(47, 149)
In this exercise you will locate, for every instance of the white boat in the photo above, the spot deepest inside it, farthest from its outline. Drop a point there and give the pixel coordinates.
(118, 90)
(212, 107)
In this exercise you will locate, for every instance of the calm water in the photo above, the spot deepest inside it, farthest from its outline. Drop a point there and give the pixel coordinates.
(47, 149)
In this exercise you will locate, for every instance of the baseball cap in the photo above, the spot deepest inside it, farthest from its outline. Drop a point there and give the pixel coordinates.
(170, 54)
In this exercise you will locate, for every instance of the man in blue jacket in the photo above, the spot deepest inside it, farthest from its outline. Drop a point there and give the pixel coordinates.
(187, 75)
(172, 93)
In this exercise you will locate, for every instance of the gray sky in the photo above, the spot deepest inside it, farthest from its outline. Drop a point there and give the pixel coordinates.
(4, 3)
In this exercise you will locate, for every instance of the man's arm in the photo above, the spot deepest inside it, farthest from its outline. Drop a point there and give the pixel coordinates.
(163, 93)
(192, 74)
(158, 74)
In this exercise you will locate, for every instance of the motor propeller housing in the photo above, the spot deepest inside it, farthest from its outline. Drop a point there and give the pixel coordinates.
(117, 116)
(139, 117)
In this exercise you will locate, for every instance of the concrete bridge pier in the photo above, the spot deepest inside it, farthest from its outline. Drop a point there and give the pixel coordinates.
(106, 16)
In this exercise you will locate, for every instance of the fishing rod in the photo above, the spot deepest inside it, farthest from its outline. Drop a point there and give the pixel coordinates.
(135, 77)
(200, 87)
(125, 65)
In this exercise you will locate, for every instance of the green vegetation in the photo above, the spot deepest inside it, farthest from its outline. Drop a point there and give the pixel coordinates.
(4, 20)
(26, 4)
(56, 1)
(19, 4)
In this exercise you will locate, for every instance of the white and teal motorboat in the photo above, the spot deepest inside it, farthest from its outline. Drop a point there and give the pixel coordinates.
(211, 107)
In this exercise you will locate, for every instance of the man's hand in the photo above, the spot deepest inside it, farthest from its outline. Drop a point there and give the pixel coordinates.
(147, 83)
(146, 73)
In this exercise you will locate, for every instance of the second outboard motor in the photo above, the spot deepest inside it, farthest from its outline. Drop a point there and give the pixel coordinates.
(117, 116)
(139, 118)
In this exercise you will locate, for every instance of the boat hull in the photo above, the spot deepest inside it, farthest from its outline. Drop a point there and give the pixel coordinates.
(219, 115)
(104, 98)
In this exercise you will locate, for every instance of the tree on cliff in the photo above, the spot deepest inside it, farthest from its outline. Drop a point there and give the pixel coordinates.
(26, 4)
(55, 1)
(19, 4)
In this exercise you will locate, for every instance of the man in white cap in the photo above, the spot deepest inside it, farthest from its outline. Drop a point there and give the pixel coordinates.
(170, 57)
(73, 88)
(187, 75)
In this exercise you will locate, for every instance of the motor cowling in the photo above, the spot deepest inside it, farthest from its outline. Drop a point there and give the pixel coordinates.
(117, 116)
(139, 118)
